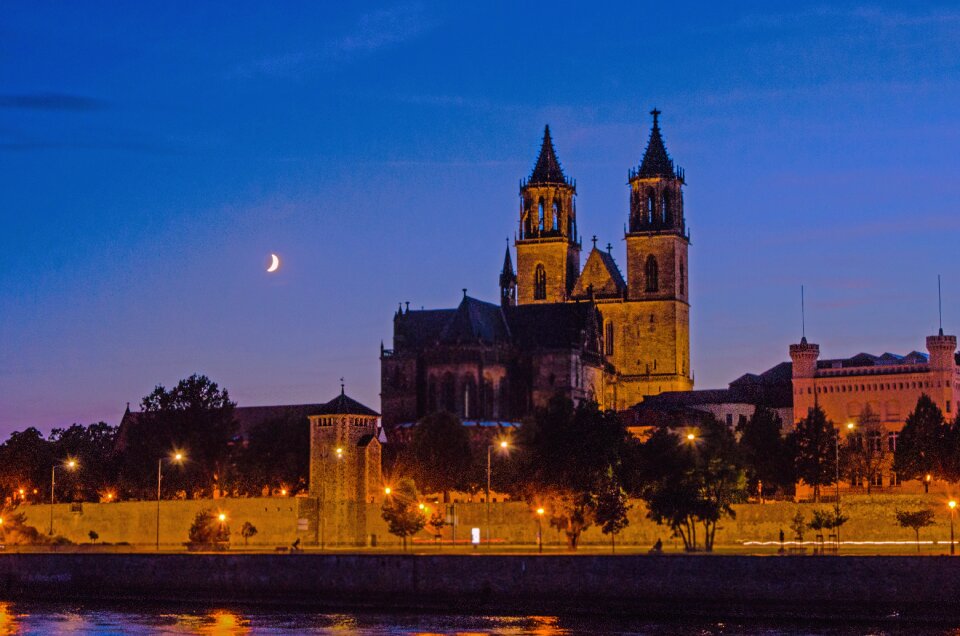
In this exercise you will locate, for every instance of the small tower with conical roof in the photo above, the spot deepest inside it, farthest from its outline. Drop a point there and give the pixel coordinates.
(548, 250)
(508, 282)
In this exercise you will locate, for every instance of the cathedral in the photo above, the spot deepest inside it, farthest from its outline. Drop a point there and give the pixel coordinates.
(590, 333)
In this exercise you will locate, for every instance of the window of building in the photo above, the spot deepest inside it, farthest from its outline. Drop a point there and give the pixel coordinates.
(556, 216)
(875, 441)
(741, 420)
(651, 205)
(652, 273)
(608, 339)
(894, 479)
(877, 479)
(540, 215)
(665, 215)
(892, 440)
(730, 419)
(540, 283)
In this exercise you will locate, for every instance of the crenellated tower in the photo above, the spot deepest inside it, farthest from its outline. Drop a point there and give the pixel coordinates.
(548, 250)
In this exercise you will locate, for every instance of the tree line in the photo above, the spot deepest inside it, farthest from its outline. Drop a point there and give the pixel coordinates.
(194, 418)
(582, 466)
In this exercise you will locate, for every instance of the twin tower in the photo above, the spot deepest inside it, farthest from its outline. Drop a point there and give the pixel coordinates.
(645, 331)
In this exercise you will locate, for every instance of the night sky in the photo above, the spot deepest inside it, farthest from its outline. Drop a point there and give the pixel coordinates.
(153, 155)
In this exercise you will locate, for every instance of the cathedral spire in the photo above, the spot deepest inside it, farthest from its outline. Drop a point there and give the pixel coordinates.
(656, 162)
(547, 169)
(508, 281)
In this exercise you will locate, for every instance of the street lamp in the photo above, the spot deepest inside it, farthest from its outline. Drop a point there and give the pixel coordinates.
(71, 464)
(387, 490)
(953, 508)
(176, 458)
(503, 446)
(691, 437)
(926, 482)
(540, 530)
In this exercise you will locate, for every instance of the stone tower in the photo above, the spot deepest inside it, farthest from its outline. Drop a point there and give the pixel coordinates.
(804, 357)
(548, 250)
(344, 469)
(650, 329)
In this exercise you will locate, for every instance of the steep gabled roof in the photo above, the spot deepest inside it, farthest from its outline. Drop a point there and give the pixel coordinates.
(475, 321)
(547, 170)
(418, 328)
(656, 162)
(554, 326)
(602, 275)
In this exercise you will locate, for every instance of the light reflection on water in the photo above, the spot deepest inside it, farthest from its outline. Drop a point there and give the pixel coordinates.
(45, 618)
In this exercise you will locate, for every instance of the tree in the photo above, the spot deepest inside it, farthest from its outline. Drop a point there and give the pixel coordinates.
(915, 520)
(93, 447)
(565, 454)
(440, 455)
(921, 444)
(401, 510)
(276, 452)
(208, 532)
(25, 462)
(798, 524)
(247, 531)
(611, 509)
(690, 482)
(437, 521)
(766, 459)
(195, 416)
(814, 444)
(15, 530)
(865, 451)
(93, 536)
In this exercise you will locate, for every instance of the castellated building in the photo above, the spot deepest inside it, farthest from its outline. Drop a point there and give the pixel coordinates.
(887, 386)
(589, 333)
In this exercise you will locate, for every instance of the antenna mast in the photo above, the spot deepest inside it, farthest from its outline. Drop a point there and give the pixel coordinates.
(939, 304)
(803, 315)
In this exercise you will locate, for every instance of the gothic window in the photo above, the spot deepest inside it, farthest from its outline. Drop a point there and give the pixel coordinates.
(556, 216)
(540, 283)
(651, 205)
(489, 411)
(665, 210)
(540, 214)
(652, 274)
(608, 339)
(469, 398)
(448, 394)
(682, 272)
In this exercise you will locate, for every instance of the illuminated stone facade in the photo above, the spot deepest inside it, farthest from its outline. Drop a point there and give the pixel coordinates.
(888, 385)
(344, 469)
(590, 333)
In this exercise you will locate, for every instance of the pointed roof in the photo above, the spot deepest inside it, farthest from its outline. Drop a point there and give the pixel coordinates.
(548, 168)
(601, 274)
(656, 162)
(507, 275)
(475, 321)
(343, 404)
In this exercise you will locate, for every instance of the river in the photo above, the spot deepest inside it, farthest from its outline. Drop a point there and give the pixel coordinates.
(47, 618)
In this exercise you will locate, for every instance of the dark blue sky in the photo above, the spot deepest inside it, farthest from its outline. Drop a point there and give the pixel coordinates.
(151, 157)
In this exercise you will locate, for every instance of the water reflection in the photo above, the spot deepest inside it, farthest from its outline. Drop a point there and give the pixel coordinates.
(39, 618)
(9, 619)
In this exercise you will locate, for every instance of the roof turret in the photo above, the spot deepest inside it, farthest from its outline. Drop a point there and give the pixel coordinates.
(547, 170)
(656, 162)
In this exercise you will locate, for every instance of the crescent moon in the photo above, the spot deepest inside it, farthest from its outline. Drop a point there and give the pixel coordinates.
(274, 263)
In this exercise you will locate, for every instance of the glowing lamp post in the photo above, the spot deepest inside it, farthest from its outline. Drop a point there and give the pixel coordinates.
(176, 458)
(926, 482)
(503, 446)
(953, 508)
(540, 512)
(69, 465)
(691, 437)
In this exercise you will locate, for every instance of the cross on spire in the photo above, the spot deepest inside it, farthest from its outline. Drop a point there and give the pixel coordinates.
(342, 387)
(594, 239)
(656, 113)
